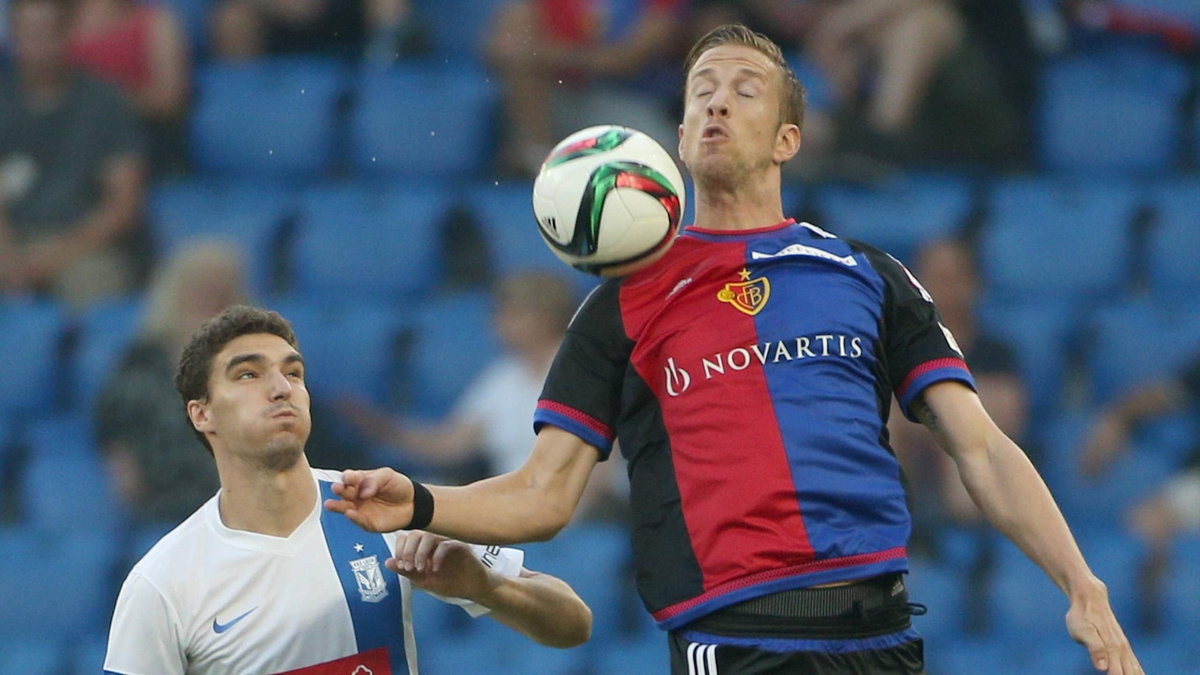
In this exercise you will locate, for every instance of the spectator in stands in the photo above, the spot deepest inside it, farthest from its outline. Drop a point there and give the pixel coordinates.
(141, 48)
(949, 272)
(489, 425)
(1169, 510)
(248, 29)
(151, 452)
(71, 168)
(913, 81)
(567, 64)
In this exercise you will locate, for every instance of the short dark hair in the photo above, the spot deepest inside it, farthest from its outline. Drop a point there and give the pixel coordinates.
(195, 363)
(792, 99)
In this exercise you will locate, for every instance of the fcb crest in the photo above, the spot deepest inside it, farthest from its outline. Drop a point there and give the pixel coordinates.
(748, 296)
(371, 584)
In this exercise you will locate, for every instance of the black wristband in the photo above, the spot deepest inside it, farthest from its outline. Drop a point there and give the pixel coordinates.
(422, 507)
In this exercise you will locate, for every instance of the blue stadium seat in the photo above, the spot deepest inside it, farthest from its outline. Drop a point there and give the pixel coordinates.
(31, 654)
(248, 214)
(1042, 337)
(453, 342)
(644, 652)
(419, 121)
(88, 656)
(1136, 341)
(356, 241)
(269, 118)
(1172, 267)
(1096, 504)
(31, 336)
(988, 655)
(63, 453)
(1057, 239)
(1184, 10)
(1182, 622)
(941, 587)
(1117, 111)
(59, 580)
(349, 349)
(1026, 607)
(505, 214)
(105, 331)
(899, 215)
(458, 27)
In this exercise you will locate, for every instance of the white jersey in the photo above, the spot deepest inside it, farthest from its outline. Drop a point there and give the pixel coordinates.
(208, 599)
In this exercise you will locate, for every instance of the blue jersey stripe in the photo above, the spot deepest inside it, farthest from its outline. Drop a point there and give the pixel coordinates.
(372, 592)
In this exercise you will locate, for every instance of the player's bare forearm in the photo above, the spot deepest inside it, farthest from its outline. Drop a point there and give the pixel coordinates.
(542, 607)
(530, 504)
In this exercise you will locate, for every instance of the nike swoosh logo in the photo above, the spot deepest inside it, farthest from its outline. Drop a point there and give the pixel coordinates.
(219, 628)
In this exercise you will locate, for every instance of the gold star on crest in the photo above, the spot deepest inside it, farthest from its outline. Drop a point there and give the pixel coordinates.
(744, 274)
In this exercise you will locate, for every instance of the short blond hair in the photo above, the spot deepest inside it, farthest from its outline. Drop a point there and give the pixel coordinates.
(792, 100)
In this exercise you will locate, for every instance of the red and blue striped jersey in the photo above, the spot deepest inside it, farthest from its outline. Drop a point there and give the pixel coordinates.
(748, 377)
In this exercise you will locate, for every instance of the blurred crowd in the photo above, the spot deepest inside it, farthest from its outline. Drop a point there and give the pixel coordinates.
(105, 112)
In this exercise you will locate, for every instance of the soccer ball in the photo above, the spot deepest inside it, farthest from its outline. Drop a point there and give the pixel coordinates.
(608, 200)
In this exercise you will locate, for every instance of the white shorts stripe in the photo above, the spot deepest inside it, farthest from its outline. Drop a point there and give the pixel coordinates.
(711, 655)
(691, 658)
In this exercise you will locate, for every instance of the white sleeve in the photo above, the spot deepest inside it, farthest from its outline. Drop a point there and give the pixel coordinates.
(145, 635)
(505, 561)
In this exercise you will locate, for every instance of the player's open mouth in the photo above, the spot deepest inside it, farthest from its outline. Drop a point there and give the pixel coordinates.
(714, 131)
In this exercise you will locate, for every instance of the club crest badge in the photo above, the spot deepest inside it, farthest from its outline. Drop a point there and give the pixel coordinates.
(371, 584)
(748, 296)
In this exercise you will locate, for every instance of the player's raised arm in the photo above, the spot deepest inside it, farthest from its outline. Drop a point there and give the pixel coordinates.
(1009, 491)
(540, 606)
(530, 504)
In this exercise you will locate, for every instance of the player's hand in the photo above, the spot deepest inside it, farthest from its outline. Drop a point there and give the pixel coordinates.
(1091, 622)
(444, 566)
(1106, 439)
(380, 500)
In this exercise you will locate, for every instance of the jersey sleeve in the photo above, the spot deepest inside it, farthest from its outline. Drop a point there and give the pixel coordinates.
(582, 393)
(145, 637)
(918, 348)
(506, 562)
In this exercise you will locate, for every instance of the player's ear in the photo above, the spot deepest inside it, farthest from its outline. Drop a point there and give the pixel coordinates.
(787, 142)
(198, 413)
(680, 148)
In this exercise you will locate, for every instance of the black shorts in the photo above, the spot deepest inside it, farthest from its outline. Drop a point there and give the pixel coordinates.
(860, 629)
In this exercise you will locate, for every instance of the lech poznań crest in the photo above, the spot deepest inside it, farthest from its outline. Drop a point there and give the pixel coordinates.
(748, 296)
(371, 584)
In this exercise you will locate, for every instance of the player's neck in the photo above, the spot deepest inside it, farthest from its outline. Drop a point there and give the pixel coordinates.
(266, 501)
(744, 208)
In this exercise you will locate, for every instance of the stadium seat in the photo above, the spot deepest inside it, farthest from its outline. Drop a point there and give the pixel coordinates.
(1172, 267)
(1096, 504)
(349, 349)
(356, 241)
(458, 28)
(1042, 336)
(1113, 112)
(1182, 620)
(1187, 11)
(60, 581)
(418, 121)
(1026, 607)
(247, 214)
(63, 454)
(105, 331)
(31, 335)
(88, 655)
(941, 587)
(31, 654)
(1058, 239)
(1135, 341)
(268, 118)
(899, 215)
(504, 211)
(453, 342)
